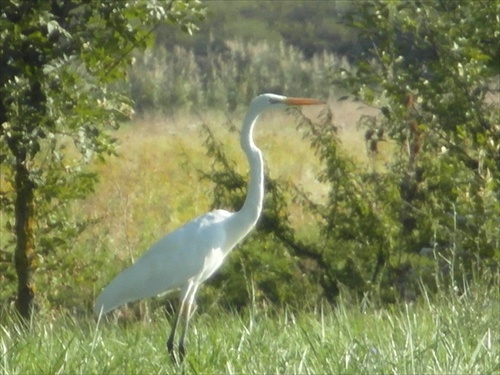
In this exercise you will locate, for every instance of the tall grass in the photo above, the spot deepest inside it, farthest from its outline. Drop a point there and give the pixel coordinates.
(166, 80)
(449, 335)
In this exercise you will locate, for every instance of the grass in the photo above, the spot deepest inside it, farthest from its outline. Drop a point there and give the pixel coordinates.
(450, 335)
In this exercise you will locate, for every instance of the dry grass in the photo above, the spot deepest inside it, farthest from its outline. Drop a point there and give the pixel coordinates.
(154, 186)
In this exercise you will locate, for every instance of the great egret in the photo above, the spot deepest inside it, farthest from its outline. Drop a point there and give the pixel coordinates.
(192, 253)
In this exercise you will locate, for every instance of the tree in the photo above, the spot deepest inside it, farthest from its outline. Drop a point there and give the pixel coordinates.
(433, 73)
(59, 61)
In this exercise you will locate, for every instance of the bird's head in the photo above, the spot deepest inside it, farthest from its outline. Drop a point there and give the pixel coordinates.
(265, 101)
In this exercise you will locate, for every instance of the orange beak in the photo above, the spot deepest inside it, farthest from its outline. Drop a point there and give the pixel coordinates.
(303, 101)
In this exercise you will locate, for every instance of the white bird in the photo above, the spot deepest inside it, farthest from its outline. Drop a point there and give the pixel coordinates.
(192, 253)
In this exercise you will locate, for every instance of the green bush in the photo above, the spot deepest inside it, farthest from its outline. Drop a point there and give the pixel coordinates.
(432, 80)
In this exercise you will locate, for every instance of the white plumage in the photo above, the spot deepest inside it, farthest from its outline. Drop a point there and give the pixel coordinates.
(191, 252)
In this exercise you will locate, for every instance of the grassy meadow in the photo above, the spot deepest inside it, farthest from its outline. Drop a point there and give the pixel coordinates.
(450, 335)
(152, 188)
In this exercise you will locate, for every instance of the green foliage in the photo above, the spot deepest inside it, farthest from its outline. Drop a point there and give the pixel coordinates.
(310, 26)
(57, 105)
(429, 215)
(430, 74)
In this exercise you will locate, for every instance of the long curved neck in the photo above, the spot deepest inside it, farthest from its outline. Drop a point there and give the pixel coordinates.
(253, 203)
(245, 219)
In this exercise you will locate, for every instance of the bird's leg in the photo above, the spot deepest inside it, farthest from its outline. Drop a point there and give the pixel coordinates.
(170, 341)
(187, 312)
(187, 317)
(187, 298)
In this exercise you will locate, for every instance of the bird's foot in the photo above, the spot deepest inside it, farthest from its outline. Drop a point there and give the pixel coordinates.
(182, 352)
(177, 357)
(171, 352)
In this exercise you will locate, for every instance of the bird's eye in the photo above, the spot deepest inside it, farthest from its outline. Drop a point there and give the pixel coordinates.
(273, 101)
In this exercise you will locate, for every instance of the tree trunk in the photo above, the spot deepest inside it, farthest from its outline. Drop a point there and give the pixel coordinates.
(24, 257)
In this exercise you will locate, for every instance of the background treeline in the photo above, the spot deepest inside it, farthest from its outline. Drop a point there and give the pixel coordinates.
(311, 26)
(166, 80)
(243, 49)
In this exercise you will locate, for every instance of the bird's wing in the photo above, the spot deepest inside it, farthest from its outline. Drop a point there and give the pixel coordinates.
(190, 252)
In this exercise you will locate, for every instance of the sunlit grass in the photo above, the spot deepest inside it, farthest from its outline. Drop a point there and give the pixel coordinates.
(451, 334)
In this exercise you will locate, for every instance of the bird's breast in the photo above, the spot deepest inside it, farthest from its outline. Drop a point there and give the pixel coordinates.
(213, 261)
